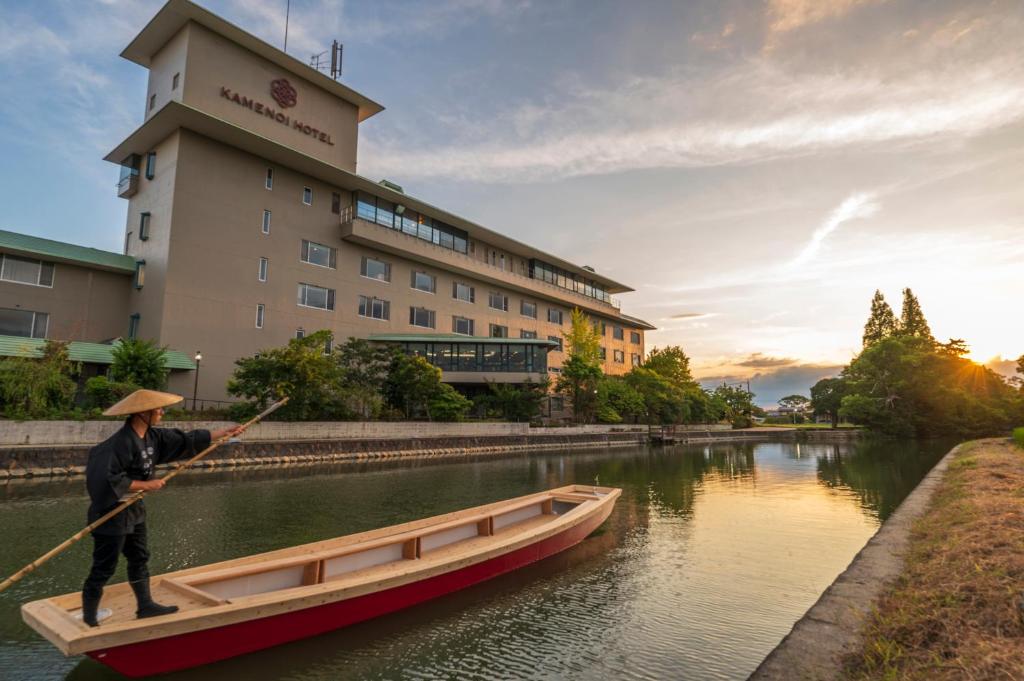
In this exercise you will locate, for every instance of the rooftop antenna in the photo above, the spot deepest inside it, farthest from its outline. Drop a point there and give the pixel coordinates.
(287, 13)
(319, 61)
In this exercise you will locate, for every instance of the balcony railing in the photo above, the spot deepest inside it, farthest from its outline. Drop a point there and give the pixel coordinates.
(349, 213)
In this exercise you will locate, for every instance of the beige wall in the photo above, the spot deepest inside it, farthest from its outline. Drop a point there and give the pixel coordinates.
(156, 197)
(214, 62)
(170, 60)
(84, 304)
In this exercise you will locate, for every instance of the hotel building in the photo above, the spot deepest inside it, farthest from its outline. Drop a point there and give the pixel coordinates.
(248, 226)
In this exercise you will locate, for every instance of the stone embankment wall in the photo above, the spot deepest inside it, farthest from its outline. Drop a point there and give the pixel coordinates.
(42, 448)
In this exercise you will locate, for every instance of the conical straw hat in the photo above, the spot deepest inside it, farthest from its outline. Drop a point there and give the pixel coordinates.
(142, 400)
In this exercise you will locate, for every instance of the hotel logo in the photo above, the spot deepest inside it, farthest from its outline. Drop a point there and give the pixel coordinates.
(283, 93)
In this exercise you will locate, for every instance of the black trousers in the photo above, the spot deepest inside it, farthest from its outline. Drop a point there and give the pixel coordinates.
(105, 550)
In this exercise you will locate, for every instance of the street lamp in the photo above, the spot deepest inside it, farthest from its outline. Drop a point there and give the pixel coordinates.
(195, 387)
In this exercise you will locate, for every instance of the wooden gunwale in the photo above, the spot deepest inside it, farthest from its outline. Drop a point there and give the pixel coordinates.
(71, 637)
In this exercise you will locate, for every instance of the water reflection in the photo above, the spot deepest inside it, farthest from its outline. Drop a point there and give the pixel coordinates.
(710, 548)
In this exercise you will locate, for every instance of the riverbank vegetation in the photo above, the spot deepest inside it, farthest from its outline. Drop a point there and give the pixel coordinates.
(956, 611)
(905, 383)
(661, 390)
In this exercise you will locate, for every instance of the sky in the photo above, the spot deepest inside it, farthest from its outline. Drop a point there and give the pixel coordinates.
(755, 170)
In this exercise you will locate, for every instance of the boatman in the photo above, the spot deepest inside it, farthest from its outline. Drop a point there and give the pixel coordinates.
(122, 464)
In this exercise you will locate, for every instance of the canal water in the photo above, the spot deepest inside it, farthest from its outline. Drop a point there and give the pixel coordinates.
(710, 556)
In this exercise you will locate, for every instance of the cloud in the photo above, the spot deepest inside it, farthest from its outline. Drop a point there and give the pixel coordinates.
(770, 386)
(758, 111)
(689, 315)
(759, 361)
(787, 15)
(854, 207)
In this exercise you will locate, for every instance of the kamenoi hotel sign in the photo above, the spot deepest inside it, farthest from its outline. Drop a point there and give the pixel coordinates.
(285, 96)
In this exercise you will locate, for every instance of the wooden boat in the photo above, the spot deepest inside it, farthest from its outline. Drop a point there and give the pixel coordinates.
(247, 604)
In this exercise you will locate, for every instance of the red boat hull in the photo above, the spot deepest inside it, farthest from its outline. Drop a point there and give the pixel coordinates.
(183, 651)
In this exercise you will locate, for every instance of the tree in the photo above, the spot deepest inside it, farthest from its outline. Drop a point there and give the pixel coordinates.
(827, 397)
(139, 362)
(413, 386)
(672, 364)
(32, 388)
(794, 402)
(301, 371)
(364, 368)
(664, 402)
(737, 403)
(515, 402)
(618, 401)
(956, 347)
(912, 321)
(581, 370)
(881, 322)
(448, 404)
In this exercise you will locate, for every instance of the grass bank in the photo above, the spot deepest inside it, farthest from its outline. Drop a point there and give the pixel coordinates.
(955, 612)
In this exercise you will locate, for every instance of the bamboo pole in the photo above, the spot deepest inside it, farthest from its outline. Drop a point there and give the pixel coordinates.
(131, 500)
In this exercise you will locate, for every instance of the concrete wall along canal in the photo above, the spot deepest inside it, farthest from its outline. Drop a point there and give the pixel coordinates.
(43, 448)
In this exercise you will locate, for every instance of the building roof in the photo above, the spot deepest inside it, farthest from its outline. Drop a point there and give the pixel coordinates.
(456, 338)
(64, 252)
(176, 13)
(174, 115)
(639, 322)
(78, 351)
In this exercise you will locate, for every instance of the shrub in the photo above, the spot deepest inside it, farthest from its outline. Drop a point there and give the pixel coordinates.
(1018, 437)
(448, 404)
(101, 392)
(139, 362)
(33, 388)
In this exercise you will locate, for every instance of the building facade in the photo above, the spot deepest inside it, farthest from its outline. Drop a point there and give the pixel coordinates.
(248, 226)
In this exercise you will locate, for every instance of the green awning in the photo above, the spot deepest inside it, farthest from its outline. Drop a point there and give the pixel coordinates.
(456, 338)
(78, 351)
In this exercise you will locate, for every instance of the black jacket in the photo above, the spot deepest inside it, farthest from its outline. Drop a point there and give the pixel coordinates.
(124, 457)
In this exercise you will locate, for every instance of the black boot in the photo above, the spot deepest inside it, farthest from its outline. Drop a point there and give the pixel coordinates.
(147, 606)
(90, 606)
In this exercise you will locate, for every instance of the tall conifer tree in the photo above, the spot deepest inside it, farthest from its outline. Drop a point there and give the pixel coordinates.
(912, 321)
(882, 322)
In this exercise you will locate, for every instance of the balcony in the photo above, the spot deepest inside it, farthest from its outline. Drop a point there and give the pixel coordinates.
(128, 185)
(360, 231)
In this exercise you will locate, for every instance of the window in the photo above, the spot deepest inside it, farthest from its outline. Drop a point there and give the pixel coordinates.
(523, 333)
(140, 273)
(618, 356)
(300, 333)
(388, 214)
(328, 345)
(528, 309)
(498, 331)
(635, 359)
(259, 315)
(269, 183)
(264, 263)
(144, 226)
(634, 337)
(307, 196)
(24, 323)
(599, 327)
(421, 316)
(618, 333)
(318, 254)
(133, 326)
(463, 292)
(150, 165)
(462, 326)
(498, 301)
(603, 353)
(174, 81)
(557, 339)
(26, 271)
(316, 296)
(266, 222)
(421, 281)
(554, 316)
(374, 308)
(557, 403)
(336, 203)
(375, 269)
(152, 101)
